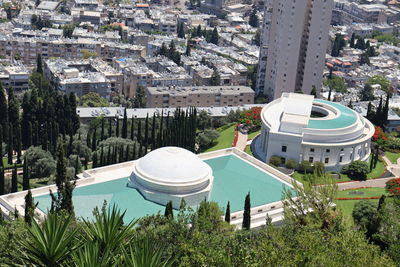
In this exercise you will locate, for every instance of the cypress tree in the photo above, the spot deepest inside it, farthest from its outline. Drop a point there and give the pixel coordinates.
(25, 177)
(94, 141)
(146, 134)
(14, 180)
(132, 128)
(2, 181)
(153, 132)
(1, 147)
(370, 112)
(169, 211)
(124, 133)
(330, 93)
(181, 31)
(102, 130)
(3, 112)
(94, 161)
(109, 128)
(352, 40)
(385, 112)
(214, 37)
(187, 52)
(108, 156)
(102, 161)
(117, 128)
(10, 145)
(29, 208)
(28, 135)
(371, 163)
(127, 153)
(19, 144)
(379, 113)
(70, 148)
(246, 213)
(228, 213)
(134, 151)
(139, 132)
(39, 65)
(37, 135)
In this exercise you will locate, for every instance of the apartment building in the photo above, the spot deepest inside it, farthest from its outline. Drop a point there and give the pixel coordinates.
(198, 96)
(294, 43)
(84, 76)
(15, 77)
(28, 48)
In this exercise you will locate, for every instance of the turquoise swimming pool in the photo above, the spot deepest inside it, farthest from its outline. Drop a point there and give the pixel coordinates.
(233, 179)
(347, 118)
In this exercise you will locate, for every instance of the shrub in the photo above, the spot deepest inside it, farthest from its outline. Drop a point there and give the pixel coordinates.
(319, 168)
(364, 213)
(291, 164)
(275, 161)
(357, 170)
(305, 167)
(393, 187)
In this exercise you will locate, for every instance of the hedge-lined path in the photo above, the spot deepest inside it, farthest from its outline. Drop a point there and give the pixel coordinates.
(380, 182)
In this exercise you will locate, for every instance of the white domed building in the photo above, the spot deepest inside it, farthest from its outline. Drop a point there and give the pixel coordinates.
(299, 127)
(171, 174)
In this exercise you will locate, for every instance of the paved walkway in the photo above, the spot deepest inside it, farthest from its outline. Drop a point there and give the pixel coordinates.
(393, 168)
(242, 141)
(381, 182)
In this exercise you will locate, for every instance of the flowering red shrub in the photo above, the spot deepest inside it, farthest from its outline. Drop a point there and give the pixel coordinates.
(393, 186)
(379, 134)
(251, 117)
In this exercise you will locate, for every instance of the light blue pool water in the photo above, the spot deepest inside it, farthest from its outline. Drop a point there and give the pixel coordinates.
(347, 117)
(233, 179)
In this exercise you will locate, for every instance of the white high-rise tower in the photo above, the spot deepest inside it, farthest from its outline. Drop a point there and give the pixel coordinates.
(294, 40)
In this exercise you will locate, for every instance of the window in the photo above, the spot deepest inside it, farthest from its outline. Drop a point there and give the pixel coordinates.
(311, 159)
(341, 150)
(340, 159)
(284, 148)
(326, 160)
(311, 149)
(328, 151)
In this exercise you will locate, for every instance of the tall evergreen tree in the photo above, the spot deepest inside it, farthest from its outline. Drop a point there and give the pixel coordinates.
(187, 52)
(117, 128)
(132, 128)
(169, 210)
(39, 64)
(370, 112)
(253, 19)
(94, 161)
(25, 177)
(214, 37)
(94, 140)
(228, 213)
(3, 112)
(385, 112)
(124, 133)
(63, 201)
(10, 145)
(379, 113)
(314, 91)
(30, 207)
(146, 134)
(246, 213)
(1, 147)
(352, 40)
(109, 128)
(181, 31)
(2, 181)
(102, 129)
(330, 93)
(14, 180)
(18, 146)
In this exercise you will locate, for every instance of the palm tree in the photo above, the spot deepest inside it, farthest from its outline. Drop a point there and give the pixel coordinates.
(145, 252)
(51, 243)
(109, 231)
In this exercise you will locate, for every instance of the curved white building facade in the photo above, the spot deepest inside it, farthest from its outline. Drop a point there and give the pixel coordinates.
(299, 127)
(170, 174)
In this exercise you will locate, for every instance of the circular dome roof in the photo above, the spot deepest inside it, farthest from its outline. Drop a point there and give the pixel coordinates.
(172, 165)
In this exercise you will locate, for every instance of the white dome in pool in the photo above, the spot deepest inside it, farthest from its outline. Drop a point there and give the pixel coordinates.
(172, 174)
(172, 165)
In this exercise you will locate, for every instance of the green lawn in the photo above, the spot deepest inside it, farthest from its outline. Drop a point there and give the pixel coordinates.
(248, 151)
(347, 206)
(253, 135)
(392, 156)
(300, 177)
(368, 192)
(225, 138)
(375, 173)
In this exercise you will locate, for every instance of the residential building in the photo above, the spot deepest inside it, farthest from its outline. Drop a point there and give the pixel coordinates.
(294, 43)
(198, 96)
